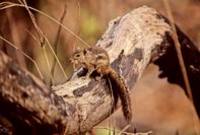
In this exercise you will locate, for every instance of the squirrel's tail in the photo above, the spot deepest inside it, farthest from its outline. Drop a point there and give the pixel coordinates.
(123, 92)
(119, 87)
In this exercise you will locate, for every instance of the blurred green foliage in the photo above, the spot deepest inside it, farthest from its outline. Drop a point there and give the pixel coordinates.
(104, 132)
(89, 27)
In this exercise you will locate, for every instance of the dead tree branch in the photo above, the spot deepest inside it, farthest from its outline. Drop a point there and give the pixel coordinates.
(78, 105)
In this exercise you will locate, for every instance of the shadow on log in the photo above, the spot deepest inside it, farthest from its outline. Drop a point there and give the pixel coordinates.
(78, 105)
(169, 66)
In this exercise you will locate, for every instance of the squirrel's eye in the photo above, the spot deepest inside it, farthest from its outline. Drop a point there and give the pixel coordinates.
(77, 55)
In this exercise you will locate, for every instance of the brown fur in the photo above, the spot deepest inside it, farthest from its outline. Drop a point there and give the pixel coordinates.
(97, 59)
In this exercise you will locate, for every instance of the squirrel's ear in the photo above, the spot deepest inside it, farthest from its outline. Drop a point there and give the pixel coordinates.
(77, 49)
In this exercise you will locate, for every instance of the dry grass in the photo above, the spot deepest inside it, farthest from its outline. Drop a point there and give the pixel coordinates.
(101, 12)
(180, 58)
(25, 55)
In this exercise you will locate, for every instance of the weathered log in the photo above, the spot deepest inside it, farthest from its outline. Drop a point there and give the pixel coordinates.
(79, 104)
(26, 102)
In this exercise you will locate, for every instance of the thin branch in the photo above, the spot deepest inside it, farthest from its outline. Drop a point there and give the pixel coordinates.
(26, 55)
(5, 5)
(55, 45)
(178, 50)
(124, 129)
(83, 103)
(78, 17)
(14, 36)
(123, 132)
(180, 57)
(40, 33)
(43, 49)
(41, 36)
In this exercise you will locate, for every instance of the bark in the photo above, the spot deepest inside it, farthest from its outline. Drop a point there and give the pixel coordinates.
(79, 104)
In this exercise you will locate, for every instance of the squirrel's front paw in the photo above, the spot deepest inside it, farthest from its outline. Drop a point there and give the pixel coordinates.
(98, 78)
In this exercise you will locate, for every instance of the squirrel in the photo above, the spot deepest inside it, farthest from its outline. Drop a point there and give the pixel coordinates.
(97, 59)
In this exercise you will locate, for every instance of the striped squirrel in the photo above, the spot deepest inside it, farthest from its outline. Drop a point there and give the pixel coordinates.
(97, 59)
